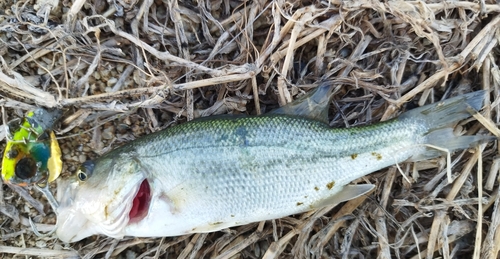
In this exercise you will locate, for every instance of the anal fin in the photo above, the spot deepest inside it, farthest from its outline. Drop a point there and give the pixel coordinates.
(347, 192)
(213, 226)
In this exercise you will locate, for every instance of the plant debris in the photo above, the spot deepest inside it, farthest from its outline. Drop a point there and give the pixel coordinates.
(122, 69)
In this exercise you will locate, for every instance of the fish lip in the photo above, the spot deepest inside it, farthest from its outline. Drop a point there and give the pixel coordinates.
(64, 193)
(141, 202)
(74, 223)
(67, 216)
(100, 205)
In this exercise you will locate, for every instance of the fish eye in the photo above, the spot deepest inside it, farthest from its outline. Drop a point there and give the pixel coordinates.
(32, 122)
(12, 153)
(82, 176)
(85, 170)
(44, 136)
(13, 126)
(26, 168)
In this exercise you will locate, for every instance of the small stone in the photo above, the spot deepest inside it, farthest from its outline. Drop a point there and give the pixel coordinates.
(91, 80)
(104, 74)
(82, 158)
(112, 81)
(41, 244)
(108, 133)
(120, 67)
(130, 255)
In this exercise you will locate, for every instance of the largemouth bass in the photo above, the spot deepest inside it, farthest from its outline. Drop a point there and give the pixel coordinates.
(214, 173)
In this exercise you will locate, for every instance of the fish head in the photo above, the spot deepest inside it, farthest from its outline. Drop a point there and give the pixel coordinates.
(103, 197)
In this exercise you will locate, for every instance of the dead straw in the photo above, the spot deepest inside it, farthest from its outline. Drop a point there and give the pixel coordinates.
(125, 69)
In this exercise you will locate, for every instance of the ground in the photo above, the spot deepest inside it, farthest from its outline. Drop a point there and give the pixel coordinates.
(122, 69)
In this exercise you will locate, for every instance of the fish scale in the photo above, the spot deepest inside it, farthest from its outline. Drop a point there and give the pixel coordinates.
(268, 172)
(308, 136)
(215, 173)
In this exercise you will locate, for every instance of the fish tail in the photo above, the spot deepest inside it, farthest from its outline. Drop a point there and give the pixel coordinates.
(440, 118)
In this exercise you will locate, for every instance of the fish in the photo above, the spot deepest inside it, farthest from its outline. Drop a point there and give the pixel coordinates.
(32, 154)
(218, 172)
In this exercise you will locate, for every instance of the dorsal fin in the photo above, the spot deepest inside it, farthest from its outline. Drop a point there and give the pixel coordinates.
(313, 105)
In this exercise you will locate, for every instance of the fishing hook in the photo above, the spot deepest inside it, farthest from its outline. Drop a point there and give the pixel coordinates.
(53, 204)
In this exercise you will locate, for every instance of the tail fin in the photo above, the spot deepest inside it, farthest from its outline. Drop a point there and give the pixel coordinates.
(440, 119)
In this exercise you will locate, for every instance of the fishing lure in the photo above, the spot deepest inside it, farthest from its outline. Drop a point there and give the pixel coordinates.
(32, 154)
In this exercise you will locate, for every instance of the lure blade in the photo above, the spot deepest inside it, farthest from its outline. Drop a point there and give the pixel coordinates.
(55, 162)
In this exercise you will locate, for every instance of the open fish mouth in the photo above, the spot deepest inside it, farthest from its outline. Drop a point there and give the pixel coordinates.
(77, 220)
(140, 203)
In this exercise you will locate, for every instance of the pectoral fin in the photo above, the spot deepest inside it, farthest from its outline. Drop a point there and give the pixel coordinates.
(213, 226)
(176, 198)
(348, 192)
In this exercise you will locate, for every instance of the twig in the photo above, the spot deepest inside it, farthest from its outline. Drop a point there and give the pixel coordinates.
(54, 253)
(479, 228)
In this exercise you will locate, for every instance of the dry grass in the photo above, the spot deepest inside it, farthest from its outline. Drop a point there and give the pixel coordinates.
(122, 69)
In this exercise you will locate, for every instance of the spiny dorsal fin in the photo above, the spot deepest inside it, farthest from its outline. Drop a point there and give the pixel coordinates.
(313, 105)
